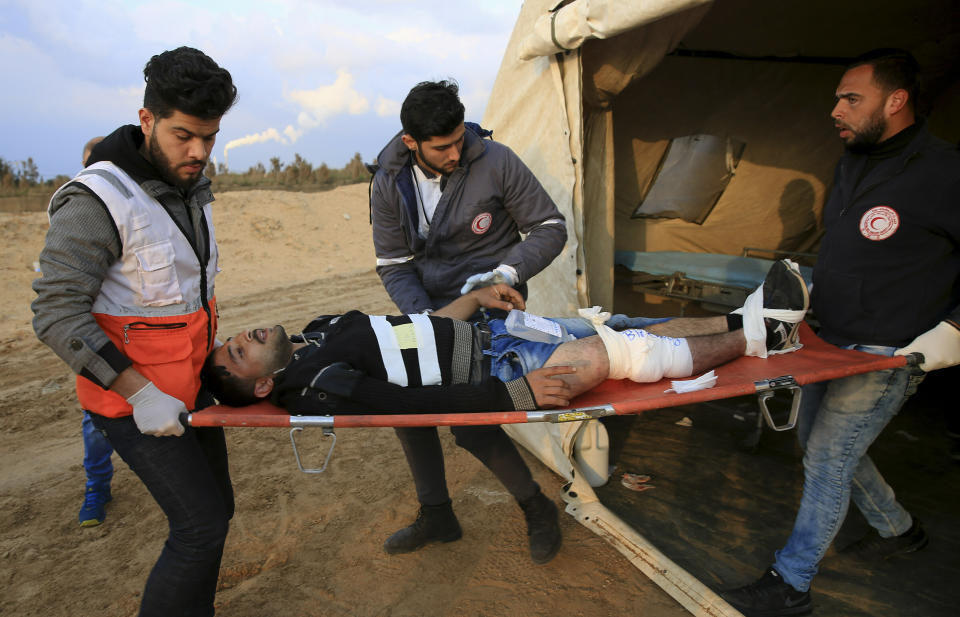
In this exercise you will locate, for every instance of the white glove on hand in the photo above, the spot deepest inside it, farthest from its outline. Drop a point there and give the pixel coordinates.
(501, 274)
(157, 413)
(940, 347)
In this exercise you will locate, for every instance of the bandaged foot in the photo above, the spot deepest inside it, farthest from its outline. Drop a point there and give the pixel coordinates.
(773, 312)
(638, 355)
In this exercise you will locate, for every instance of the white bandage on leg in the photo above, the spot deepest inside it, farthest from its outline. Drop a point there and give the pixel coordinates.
(644, 357)
(754, 329)
(641, 356)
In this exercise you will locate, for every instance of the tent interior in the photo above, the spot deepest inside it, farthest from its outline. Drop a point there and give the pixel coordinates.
(764, 75)
(594, 96)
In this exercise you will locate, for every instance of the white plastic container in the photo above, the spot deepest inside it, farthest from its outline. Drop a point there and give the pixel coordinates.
(535, 328)
(591, 451)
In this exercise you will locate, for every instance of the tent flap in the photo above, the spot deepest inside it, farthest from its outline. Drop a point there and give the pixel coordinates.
(568, 27)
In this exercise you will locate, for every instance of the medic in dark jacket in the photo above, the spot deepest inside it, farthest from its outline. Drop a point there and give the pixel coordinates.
(889, 264)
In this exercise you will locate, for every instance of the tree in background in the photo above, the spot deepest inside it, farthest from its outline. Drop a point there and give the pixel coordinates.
(322, 174)
(356, 169)
(29, 172)
(6, 174)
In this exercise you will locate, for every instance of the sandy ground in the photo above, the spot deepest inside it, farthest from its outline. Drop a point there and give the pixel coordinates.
(299, 544)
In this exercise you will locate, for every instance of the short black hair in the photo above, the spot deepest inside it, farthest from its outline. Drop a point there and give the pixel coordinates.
(187, 80)
(893, 69)
(226, 387)
(431, 109)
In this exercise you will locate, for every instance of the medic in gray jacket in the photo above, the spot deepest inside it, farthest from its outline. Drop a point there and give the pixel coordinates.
(447, 209)
(487, 202)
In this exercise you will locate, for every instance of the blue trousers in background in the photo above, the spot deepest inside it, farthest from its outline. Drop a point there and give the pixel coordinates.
(96, 454)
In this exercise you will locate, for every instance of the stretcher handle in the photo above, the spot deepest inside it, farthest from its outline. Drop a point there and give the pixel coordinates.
(767, 388)
(915, 359)
(327, 432)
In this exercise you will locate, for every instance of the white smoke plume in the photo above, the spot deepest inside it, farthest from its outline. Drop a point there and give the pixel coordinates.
(268, 135)
(316, 108)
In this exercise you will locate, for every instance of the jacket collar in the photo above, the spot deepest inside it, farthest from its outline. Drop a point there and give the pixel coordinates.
(852, 165)
(395, 155)
(916, 144)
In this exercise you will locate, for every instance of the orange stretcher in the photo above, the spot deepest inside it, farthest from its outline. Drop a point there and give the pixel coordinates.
(815, 361)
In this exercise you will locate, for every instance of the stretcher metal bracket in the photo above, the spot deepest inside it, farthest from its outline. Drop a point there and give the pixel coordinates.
(767, 388)
(327, 432)
(572, 415)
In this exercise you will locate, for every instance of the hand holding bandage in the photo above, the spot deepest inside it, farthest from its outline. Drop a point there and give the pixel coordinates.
(940, 347)
(638, 355)
(499, 296)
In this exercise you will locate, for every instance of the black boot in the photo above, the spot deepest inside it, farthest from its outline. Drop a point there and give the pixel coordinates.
(542, 527)
(433, 524)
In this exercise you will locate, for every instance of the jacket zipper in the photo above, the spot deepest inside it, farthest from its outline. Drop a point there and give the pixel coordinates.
(201, 259)
(143, 325)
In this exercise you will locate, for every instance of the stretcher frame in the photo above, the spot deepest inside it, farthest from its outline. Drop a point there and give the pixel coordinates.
(815, 361)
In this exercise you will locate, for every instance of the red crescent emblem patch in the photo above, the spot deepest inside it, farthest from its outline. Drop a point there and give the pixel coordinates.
(481, 223)
(879, 223)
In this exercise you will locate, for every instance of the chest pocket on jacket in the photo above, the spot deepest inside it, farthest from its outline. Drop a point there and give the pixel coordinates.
(159, 284)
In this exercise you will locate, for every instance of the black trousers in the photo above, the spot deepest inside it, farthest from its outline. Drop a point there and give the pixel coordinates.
(189, 478)
(489, 444)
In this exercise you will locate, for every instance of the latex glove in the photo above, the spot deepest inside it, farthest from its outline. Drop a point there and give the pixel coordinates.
(940, 347)
(157, 413)
(500, 274)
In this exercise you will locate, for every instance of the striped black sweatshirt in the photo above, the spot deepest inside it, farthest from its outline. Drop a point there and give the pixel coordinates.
(356, 363)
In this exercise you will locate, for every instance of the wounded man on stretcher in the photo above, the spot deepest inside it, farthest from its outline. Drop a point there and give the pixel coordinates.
(357, 363)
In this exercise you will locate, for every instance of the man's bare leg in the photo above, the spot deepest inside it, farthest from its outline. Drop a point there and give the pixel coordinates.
(681, 327)
(589, 356)
(715, 349)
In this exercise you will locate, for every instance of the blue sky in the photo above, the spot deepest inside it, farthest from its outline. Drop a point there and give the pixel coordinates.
(321, 78)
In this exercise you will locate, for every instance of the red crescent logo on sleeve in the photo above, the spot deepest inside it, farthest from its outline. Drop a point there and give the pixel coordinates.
(481, 223)
(879, 223)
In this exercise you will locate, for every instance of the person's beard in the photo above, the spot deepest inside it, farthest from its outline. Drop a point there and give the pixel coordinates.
(865, 139)
(428, 166)
(281, 350)
(168, 171)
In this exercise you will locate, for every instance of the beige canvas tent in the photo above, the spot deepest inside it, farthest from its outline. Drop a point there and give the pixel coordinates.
(591, 93)
(593, 121)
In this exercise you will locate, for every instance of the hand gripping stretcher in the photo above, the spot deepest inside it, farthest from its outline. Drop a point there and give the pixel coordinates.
(815, 361)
